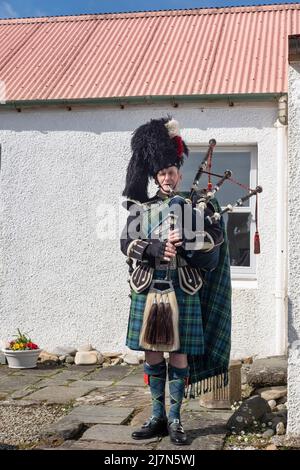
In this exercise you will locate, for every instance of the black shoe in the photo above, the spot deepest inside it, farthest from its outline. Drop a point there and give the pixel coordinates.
(176, 433)
(152, 428)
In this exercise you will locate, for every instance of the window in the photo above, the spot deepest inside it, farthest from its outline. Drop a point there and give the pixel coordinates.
(240, 223)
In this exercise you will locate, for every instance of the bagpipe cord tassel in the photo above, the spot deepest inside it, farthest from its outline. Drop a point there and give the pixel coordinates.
(256, 235)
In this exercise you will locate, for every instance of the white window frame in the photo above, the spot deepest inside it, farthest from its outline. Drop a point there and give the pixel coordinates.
(240, 273)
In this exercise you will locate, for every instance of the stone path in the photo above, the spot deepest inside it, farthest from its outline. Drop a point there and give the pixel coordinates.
(105, 405)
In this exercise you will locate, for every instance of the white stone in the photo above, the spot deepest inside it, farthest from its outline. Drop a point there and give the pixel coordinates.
(111, 355)
(85, 347)
(280, 429)
(46, 356)
(100, 358)
(116, 361)
(281, 407)
(268, 433)
(131, 358)
(272, 404)
(86, 357)
(272, 393)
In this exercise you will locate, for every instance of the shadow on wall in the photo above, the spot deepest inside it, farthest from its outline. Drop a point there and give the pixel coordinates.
(98, 120)
(292, 331)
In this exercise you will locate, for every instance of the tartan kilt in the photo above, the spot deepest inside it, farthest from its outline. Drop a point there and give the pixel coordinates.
(190, 318)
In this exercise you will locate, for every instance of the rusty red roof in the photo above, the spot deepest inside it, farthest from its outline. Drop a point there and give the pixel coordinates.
(206, 51)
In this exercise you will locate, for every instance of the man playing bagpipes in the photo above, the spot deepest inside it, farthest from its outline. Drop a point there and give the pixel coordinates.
(180, 286)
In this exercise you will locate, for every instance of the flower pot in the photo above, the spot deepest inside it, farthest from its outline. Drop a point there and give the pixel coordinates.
(26, 359)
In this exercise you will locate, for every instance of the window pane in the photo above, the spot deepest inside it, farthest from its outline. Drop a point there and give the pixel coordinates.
(238, 232)
(238, 162)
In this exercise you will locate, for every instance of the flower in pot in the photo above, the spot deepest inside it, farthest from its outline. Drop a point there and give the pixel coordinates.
(21, 353)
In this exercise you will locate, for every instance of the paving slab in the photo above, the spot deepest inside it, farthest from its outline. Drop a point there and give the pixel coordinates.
(60, 394)
(205, 431)
(96, 445)
(99, 414)
(141, 417)
(119, 396)
(133, 380)
(83, 368)
(193, 404)
(71, 375)
(113, 434)
(92, 383)
(22, 393)
(26, 403)
(10, 383)
(61, 378)
(40, 371)
(4, 370)
(110, 373)
(61, 430)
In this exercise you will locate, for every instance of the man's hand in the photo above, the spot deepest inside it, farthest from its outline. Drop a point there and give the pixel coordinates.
(173, 241)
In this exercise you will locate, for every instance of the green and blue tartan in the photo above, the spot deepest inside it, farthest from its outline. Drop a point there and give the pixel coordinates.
(204, 324)
(209, 371)
(190, 318)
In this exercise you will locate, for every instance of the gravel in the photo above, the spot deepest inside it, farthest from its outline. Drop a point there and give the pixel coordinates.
(21, 425)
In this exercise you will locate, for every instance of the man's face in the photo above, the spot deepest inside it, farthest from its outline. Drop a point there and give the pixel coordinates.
(168, 177)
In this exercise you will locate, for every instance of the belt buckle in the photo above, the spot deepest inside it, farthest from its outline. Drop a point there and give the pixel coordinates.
(163, 265)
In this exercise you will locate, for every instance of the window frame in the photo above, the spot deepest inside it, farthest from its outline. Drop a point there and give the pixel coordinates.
(242, 273)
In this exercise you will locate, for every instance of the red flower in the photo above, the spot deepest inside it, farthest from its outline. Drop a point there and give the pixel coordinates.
(31, 345)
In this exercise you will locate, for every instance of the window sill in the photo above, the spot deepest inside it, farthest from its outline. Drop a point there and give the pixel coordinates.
(244, 284)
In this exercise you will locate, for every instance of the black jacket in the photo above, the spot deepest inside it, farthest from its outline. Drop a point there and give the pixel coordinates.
(140, 249)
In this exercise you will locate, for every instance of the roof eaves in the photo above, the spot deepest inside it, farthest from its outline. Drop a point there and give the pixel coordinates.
(146, 100)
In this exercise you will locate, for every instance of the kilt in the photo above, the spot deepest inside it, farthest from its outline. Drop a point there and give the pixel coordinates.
(190, 318)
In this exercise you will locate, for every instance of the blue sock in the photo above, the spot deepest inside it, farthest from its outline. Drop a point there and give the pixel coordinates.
(155, 376)
(177, 378)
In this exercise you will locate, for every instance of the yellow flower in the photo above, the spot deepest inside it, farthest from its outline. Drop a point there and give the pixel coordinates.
(22, 343)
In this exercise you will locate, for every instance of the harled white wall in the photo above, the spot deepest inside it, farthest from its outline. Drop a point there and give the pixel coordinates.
(62, 282)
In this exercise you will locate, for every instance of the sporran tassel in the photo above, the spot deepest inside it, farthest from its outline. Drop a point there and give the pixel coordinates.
(161, 331)
(169, 322)
(151, 328)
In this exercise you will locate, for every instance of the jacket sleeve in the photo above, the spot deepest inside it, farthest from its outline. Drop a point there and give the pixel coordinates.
(133, 245)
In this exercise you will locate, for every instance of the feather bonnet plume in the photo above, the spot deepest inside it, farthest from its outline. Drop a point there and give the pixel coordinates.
(154, 145)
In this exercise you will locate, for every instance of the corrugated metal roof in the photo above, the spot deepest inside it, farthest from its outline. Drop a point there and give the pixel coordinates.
(233, 50)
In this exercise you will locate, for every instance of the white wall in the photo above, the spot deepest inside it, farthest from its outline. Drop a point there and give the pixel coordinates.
(60, 281)
(293, 241)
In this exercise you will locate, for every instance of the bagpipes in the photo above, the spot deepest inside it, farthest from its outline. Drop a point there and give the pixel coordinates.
(203, 196)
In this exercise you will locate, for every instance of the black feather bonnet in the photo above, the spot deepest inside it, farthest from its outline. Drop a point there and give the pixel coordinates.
(154, 145)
